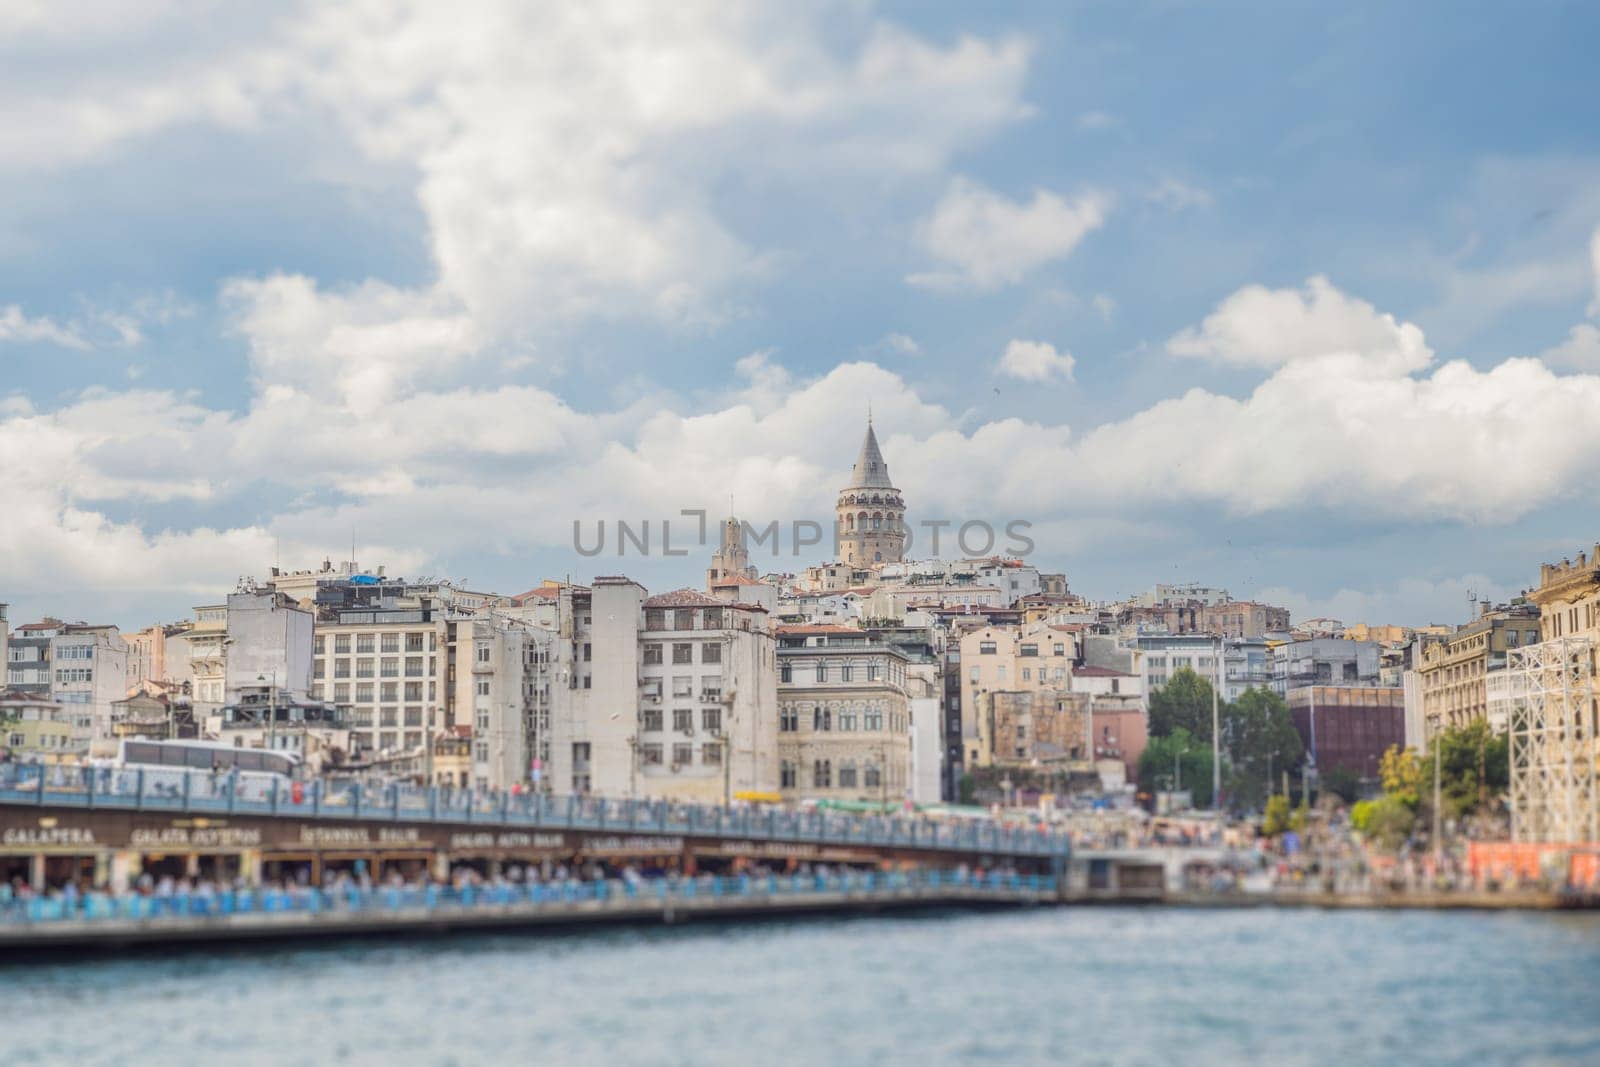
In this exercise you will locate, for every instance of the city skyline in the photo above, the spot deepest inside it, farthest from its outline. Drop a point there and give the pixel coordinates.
(474, 280)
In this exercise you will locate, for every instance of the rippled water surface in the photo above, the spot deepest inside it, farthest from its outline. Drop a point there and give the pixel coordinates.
(1078, 985)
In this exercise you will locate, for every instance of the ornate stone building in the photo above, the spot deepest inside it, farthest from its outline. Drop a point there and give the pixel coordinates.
(871, 511)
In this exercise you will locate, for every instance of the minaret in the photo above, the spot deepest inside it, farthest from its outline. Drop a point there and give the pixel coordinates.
(871, 512)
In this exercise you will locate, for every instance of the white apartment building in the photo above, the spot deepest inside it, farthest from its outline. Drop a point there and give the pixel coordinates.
(268, 643)
(1246, 663)
(89, 672)
(387, 668)
(707, 722)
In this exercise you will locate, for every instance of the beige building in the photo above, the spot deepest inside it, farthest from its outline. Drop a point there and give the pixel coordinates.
(35, 728)
(1568, 598)
(844, 717)
(871, 512)
(1008, 659)
(1243, 618)
(1452, 670)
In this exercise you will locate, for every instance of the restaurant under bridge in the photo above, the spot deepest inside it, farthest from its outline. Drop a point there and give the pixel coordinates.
(109, 826)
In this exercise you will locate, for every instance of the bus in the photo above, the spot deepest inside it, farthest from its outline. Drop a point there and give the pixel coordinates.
(211, 766)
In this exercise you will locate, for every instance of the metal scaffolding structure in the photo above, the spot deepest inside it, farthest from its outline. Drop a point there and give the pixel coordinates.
(1551, 719)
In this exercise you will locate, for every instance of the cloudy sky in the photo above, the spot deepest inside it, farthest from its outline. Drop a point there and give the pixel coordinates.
(1299, 299)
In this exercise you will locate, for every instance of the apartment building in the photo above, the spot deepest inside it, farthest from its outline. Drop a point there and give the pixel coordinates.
(1452, 672)
(1008, 659)
(89, 673)
(844, 716)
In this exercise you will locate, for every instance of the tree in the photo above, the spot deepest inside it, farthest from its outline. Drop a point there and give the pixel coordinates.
(1276, 818)
(1183, 703)
(1343, 782)
(1179, 760)
(1400, 772)
(1385, 822)
(1474, 768)
(1261, 742)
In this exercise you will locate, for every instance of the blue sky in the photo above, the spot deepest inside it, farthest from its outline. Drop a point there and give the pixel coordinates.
(1284, 297)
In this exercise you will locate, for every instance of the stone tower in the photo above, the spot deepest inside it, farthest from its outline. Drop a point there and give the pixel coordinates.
(732, 558)
(871, 512)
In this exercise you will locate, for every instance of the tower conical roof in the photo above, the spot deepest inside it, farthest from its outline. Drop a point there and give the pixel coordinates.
(870, 471)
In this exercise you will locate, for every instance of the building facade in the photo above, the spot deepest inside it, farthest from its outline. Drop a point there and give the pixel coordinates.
(1452, 672)
(844, 717)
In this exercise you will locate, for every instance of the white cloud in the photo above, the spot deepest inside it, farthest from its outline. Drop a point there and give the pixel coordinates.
(1594, 266)
(1580, 351)
(1178, 195)
(991, 241)
(1262, 327)
(1105, 305)
(1036, 361)
(15, 326)
(1097, 120)
(901, 345)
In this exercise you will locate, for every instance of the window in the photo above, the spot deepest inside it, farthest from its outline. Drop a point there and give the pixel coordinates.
(711, 753)
(483, 687)
(683, 653)
(1027, 674)
(846, 672)
(655, 619)
(363, 692)
(652, 654)
(1000, 674)
(316, 645)
(785, 673)
(847, 774)
(389, 667)
(682, 685)
(786, 775)
(822, 670)
(711, 652)
(788, 719)
(1030, 650)
(986, 648)
(483, 653)
(683, 755)
(847, 723)
(651, 753)
(341, 693)
(413, 666)
(974, 672)
(683, 619)
(1060, 650)
(822, 774)
(391, 692)
(870, 776)
(711, 619)
(683, 719)
(364, 643)
(711, 719)
(341, 643)
(413, 691)
(874, 717)
(821, 719)
(413, 716)
(391, 642)
(650, 719)
(389, 717)
(363, 668)
(414, 642)
(875, 672)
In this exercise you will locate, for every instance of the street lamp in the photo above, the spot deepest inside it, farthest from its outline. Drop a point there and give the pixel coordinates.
(272, 708)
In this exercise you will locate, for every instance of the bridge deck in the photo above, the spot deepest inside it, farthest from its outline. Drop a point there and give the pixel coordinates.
(313, 914)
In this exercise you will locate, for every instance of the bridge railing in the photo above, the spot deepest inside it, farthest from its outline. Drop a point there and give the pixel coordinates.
(352, 899)
(248, 793)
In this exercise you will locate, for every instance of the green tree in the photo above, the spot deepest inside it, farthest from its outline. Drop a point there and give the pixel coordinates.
(1184, 703)
(1385, 822)
(1178, 761)
(1400, 772)
(1261, 743)
(1474, 768)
